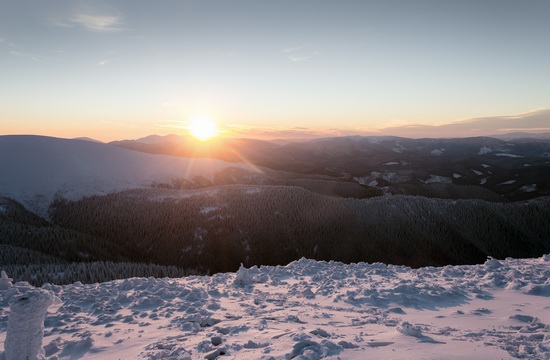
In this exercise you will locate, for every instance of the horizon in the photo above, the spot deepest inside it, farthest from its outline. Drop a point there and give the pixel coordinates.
(461, 129)
(309, 69)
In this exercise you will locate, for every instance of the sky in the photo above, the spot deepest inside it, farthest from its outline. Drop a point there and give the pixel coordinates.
(270, 69)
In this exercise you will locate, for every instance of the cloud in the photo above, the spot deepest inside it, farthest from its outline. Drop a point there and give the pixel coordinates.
(99, 23)
(533, 121)
(299, 53)
(29, 56)
(270, 133)
(301, 58)
(7, 43)
(92, 16)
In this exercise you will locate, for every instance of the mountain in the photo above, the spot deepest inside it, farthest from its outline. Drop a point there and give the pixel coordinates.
(523, 136)
(233, 150)
(476, 167)
(36, 168)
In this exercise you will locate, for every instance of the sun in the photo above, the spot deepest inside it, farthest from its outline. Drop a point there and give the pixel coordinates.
(202, 128)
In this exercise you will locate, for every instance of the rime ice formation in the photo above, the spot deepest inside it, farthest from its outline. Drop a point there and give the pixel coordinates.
(5, 281)
(243, 277)
(26, 325)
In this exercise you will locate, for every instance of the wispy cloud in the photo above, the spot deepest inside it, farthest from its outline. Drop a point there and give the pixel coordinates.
(268, 133)
(299, 53)
(7, 43)
(301, 58)
(29, 56)
(92, 16)
(99, 23)
(533, 121)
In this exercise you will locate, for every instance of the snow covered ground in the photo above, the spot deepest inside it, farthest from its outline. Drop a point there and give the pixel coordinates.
(307, 310)
(37, 168)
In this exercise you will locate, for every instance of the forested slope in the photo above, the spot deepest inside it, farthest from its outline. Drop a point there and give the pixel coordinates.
(217, 228)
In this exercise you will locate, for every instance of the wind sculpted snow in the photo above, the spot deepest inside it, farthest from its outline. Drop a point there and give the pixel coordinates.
(307, 310)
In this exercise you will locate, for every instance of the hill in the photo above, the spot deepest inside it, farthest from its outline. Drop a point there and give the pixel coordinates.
(36, 169)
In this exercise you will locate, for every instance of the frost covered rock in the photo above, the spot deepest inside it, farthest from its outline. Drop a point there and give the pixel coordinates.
(407, 328)
(26, 325)
(5, 281)
(243, 277)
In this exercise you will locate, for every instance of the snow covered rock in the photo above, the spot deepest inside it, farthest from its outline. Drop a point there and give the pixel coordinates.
(26, 325)
(5, 281)
(407, 328)
(243, 277)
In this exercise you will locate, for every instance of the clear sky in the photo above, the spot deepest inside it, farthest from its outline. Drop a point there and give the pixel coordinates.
(124, 69)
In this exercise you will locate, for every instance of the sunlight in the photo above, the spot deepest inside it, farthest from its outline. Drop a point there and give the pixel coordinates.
(202, 128)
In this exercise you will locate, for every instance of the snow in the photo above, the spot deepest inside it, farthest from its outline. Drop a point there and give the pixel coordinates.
(307, 310)
(508, 182)
(208, 209)
(528, 188)
(391, 176)
(437, 152)
(509, 155)
(457, 176)
(36, 168)
(485, 150)
(5, 281)
(391, 163)
(483, 181)
(485, 166)
(477, 172)
(438, 179)
(25, 328)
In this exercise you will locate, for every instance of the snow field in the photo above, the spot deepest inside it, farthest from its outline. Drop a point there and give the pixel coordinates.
(307, 310)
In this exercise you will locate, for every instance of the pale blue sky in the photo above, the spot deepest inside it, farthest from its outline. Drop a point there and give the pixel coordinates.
(115, 69)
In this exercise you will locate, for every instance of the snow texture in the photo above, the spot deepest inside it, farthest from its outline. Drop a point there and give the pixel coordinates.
(307, 310)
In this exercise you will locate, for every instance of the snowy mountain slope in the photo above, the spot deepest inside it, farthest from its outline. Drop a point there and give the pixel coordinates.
(35, 168)
(388, 164)
(307, 310)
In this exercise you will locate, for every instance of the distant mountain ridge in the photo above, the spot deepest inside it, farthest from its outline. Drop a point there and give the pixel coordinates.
(492, 169)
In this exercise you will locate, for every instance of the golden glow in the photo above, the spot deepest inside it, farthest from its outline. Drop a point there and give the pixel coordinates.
(202, 128)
